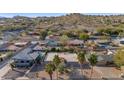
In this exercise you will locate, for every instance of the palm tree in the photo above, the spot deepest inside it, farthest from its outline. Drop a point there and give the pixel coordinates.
(49, 69)
(62, 68)
(81, 59)
(56, 62)
(93, 61)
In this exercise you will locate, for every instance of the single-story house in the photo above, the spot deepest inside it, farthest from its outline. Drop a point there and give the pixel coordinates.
(27, 58)
(52, 40)
(119, 42)
(9, 47)
(12, 48)
(104, 42)
(105, 58)
(43, 43)
(102, 58)
(33, 33)
(28, 38)
(76, 42)
(20, 44)
(53, 37)
(34, 42)
(3, 46)
(52, 43)
(3, 42)
(39, 48)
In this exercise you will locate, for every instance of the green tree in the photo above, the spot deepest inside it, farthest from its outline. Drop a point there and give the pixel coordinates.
(62, 68)
(119, 58)
(121, 34)
(56, 62)
(50, 33)
(68, 33)
(49, 68)
(93, 61)
(43, 34)
(64, 39)
(83, 36)
(81, 59)
(109, 31)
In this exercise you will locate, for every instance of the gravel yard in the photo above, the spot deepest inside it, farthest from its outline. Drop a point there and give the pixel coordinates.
(109, 72)
(70, 57)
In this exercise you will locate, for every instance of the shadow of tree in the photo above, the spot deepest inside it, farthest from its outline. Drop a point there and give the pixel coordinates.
(76, 75)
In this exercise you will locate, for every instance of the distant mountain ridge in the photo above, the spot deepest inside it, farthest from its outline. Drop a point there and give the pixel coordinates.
(68, 22)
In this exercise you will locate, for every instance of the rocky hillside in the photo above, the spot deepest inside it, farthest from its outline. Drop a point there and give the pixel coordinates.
(80, 22)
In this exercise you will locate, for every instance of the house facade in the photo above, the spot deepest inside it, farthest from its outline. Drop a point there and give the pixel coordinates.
(26, 58)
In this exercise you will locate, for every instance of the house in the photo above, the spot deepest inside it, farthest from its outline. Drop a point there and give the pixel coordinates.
(119, 42)
(2, 41)
(76, 42)
(20, 44)
(3, 46)
(52, 40)
(46, 45)
(33, 42)
(105, 41)
(39, 47)
(43, 43)
(27, 58)
(52, 37)
(9, 47)
(33, 33)
(103, 44)
(52, 43)
(28, 38)
(12, 48)
(103, 57)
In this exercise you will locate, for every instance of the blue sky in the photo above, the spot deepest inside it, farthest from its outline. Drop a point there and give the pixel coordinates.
(30, 14)
(47, 14)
